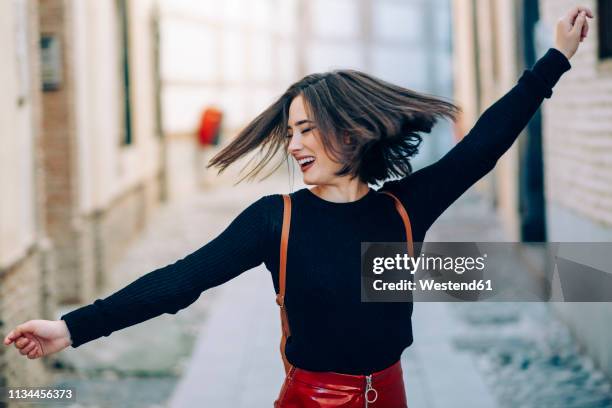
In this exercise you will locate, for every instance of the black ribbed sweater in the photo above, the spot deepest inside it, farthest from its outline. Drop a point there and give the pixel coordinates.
(331, 329)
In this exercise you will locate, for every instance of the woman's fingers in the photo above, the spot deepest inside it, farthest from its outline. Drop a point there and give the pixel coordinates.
(571, 15)
(585, 30)
(22, 342)
(12, 336)
(579, 24)
(28, 348)
(19, 331)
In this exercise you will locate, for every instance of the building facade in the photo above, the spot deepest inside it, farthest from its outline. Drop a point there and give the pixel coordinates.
(81, 164)
(555, 183)
(25, 288)
(577, 138)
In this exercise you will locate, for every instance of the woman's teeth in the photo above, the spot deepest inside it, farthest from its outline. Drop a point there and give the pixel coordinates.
(306, 163)
(305, 160)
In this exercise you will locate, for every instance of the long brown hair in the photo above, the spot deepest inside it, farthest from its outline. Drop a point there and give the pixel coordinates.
(382, 122)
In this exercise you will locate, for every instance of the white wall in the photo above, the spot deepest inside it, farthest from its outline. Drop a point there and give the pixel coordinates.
(106, 169)
(17, 199)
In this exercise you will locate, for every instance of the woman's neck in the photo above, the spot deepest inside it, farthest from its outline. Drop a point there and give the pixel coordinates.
(344, 192)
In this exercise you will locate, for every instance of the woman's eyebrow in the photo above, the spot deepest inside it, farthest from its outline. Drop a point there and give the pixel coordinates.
(300, 122)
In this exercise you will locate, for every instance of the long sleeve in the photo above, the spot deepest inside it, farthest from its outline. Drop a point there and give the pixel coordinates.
(241, 246)
(431, 190)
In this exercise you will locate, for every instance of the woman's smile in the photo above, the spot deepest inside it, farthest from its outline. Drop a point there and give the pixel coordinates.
(305, 162)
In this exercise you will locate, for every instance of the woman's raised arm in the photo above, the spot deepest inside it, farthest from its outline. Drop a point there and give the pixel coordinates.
(431, 190)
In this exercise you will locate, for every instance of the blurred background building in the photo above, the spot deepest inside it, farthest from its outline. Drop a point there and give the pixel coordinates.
(102, 99)
(81, 153)
(555, 183)
(241, 55)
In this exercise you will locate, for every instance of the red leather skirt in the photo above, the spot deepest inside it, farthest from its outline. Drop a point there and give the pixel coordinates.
(312, 389)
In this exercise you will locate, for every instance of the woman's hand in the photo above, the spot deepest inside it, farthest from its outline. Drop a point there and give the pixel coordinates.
(38, 338)
(572, 29)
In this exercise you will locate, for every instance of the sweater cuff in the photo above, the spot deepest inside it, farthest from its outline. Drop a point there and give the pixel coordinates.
(75, 319)
(549, 69)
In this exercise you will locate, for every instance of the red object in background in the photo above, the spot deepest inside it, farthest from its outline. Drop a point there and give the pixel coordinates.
(210, 126)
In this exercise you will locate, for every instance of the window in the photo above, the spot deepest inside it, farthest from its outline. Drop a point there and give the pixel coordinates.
(604, 18)
(124, 47)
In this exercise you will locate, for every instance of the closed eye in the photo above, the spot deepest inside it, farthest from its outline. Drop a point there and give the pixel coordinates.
(290, 135)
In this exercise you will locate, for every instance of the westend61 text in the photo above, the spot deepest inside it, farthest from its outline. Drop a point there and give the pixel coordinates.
(430, 284)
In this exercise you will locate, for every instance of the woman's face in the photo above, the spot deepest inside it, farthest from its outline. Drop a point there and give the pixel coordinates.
(306, 147)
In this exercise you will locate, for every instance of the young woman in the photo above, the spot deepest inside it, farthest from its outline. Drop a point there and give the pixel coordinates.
(346, 130)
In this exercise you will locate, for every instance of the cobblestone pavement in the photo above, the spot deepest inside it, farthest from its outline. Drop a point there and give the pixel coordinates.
(463, 354)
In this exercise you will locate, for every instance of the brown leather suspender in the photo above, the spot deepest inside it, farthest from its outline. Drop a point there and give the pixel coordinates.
(402, 212)
(282, 268)
(282, 273)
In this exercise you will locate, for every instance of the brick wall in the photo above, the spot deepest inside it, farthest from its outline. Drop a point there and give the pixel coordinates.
(75, 276)
(89, 238)
(26, 292)
(578, 130)
(21, 300)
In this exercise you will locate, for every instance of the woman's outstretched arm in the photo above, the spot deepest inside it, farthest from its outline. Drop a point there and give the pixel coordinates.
(431, 190)
(241, 246)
